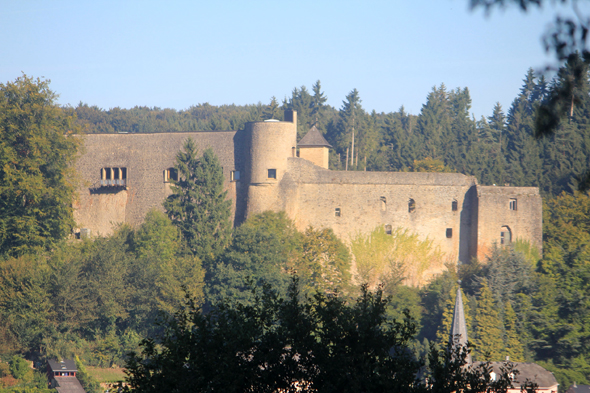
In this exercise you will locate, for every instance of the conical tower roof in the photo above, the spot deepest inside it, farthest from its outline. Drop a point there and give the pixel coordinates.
(313, 138)
(458, 335)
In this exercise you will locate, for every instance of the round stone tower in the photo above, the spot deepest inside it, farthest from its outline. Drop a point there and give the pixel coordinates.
(271, 143)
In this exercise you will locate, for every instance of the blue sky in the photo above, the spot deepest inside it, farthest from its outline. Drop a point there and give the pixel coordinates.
(177, 54)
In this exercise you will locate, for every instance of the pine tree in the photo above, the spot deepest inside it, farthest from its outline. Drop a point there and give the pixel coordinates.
(523, 156)
(198, 204)
(349, 130)
(488, 327)
(512, 341)
(318, 103)
(434, 123)
(272, 110)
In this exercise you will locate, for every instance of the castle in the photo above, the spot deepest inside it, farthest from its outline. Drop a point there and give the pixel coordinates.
(125, 175)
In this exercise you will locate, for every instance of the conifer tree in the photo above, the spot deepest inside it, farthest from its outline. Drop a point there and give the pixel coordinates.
(272, 110)
(198, 205)
(512, 341)
(488, 327)
(434, 123)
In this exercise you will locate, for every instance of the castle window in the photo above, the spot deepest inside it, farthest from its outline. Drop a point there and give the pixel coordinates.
(411, 206)
(505, 235)
(383, 204)
(337, 212)
(113, 177)
(388, 229)
(513, 204)
(272, 173)
(170, 174)
(234, 176)
(454, 206)
(449, 233)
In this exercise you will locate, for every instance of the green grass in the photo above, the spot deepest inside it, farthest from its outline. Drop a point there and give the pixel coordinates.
(106, 374)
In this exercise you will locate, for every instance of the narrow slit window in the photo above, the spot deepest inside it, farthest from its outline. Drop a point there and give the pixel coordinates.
(449, 233)
(454, 206)
(383, 204)
(388, 229)
(272, 173)
(513, 205)
(411, 206)
(337, 212)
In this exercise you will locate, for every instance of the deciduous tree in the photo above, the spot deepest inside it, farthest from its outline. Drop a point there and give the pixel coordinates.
(36, 177)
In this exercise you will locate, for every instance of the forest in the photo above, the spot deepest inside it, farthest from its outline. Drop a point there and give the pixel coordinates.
(98, 299)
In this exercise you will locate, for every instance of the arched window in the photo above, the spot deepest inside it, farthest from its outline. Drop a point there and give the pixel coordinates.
(383, 204)
(505, 235)
(388, 229)
(411, 206)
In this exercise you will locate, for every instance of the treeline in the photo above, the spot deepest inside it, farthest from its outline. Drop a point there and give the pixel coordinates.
(498, 149)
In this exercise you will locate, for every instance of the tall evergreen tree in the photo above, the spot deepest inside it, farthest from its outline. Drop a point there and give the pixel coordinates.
(434, 123)
(488, 327)
(524, 165)
(318, 104)
(198, 205)
(512, 340)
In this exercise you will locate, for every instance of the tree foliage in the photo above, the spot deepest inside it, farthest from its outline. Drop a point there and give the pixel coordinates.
(292, 344)
(198, 205)
(36, 180)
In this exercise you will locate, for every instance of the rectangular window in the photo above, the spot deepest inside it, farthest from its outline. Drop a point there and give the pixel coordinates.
(234, 176)
(272, 173)
(113, 177)
(449, 233)
(388, 229)
(454, 206)
(513, 204)
(170, 174)
(337, 212)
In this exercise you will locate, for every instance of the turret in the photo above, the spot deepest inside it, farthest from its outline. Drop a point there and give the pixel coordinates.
(314, 147)
(271, 143)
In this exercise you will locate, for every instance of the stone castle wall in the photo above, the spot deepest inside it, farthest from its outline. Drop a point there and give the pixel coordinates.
(145, 158)
(356, 202)
(461, 217)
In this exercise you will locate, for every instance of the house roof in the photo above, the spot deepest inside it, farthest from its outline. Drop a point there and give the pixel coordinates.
(313, 138)
(64, 365)
(530, 371)
(69, 385)
(575, 388)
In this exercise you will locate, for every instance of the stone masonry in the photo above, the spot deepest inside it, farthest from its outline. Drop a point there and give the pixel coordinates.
(125, 175)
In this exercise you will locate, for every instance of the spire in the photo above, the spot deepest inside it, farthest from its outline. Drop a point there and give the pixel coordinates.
(458, 334)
